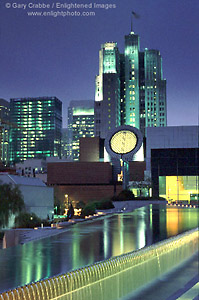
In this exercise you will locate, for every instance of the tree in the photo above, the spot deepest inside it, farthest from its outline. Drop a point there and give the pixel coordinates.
(27, 220)
(11, 202)
(70, 213)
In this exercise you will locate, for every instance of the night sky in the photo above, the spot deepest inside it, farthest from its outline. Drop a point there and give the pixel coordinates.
(58, 56)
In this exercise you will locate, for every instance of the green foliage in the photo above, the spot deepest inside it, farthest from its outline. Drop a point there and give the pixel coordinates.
(27, 220)
(11, 202)
(89, 209)
(124, 196)
(80, 204)
(149, 198)
(104, 204)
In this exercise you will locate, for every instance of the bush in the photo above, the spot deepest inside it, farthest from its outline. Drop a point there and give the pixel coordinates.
(104, 204)
(150, 198)
(89, 209)
(124, 196)
(80, 204)
(27, 220)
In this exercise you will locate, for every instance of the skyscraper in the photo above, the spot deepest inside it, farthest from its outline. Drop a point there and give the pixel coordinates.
(107, 93)
(155, 90)
(130, 88)
(64, 143)
(37, 131)
(80, 124)
(4, 130)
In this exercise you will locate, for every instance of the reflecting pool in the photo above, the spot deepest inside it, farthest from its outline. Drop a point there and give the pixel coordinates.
(85, 243)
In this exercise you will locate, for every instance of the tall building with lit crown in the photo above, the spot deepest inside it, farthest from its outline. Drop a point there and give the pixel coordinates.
(4, 131)
(37, 131)
(130, 88)
(107, 93)
(80, 124)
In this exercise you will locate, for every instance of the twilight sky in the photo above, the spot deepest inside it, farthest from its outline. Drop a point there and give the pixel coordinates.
(58, 56)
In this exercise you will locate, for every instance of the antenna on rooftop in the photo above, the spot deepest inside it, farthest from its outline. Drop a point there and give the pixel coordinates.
(136, 16)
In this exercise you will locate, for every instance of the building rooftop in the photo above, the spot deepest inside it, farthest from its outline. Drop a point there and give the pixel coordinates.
(20, 180)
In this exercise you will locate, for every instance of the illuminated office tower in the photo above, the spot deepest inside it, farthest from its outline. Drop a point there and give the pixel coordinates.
(80, 124)
(107, 93)
(130, 88)
(4, 131)
(155, 90)
(64, 143)
(37, 131)
(132, 107)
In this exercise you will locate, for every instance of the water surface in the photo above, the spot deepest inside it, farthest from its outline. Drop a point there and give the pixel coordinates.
(92, 241)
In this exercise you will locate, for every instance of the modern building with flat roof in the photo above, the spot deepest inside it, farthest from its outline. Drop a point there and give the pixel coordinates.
(38, 197)
(37, 133)
(82, 181)
(173, 161)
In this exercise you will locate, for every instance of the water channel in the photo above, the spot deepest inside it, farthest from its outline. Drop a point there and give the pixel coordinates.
(85, 243)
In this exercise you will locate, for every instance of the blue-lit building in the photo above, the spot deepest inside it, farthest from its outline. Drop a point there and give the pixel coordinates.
(130, 88)
(80, 124)
(4, 131)
(37, 130)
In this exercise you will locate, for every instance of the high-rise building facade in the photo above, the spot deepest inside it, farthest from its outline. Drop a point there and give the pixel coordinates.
(80, 124)
(132, 95)
(64, 143)
(130, 88)
(155, 90)
(4, 131)
(107, 93)
(37, 131)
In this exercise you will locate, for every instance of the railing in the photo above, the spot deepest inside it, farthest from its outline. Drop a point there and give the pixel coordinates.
(113, 278)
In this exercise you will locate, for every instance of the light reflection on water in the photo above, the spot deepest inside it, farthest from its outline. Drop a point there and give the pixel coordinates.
(89, 242)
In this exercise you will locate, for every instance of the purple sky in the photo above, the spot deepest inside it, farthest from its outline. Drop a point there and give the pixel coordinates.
(48, 56)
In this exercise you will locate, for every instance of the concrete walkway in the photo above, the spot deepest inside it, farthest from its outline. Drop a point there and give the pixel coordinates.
(181, 284)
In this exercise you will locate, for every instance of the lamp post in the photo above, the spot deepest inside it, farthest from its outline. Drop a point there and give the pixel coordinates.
(67, 200)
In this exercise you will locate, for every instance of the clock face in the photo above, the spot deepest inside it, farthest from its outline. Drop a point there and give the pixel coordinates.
(123, 141)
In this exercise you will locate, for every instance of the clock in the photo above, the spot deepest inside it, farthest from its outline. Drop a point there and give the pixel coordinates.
(123, 142)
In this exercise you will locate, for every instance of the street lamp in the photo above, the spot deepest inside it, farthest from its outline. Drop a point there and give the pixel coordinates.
(67, 200)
